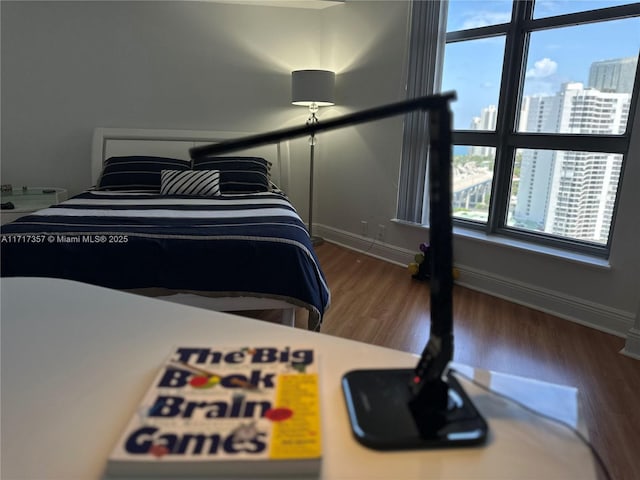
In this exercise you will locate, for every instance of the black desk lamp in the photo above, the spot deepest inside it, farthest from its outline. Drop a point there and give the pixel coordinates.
(393, 409)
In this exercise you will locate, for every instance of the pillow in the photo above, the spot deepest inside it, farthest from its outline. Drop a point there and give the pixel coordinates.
(238, 174)
(137, 173)
(204, 183)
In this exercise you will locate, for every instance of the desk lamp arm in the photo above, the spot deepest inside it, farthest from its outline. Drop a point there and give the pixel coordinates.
(439, 350)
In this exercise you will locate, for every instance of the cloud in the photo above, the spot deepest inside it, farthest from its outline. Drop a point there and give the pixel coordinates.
(545, 8)
(542, 68)
(484, 18)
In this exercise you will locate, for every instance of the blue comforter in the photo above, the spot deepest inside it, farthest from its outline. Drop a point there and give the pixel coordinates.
(230, 245)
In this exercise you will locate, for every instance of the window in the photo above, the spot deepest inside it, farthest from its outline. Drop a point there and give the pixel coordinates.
(545, 92)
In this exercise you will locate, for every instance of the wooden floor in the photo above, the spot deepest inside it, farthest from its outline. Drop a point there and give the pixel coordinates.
(379, 303)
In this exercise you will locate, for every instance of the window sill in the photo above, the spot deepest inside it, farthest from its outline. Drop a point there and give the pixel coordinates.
(523, 246)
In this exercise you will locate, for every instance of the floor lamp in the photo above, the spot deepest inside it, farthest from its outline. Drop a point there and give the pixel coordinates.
(313, 89)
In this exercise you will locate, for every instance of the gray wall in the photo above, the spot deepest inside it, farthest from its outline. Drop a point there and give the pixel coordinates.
(68, 67)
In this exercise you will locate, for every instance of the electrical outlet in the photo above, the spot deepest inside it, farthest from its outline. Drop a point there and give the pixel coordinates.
(364, 228)
(381, 232)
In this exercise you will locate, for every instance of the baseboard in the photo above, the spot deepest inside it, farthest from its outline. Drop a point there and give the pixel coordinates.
(594, 315)
(578, 310)
(366, 245)
(632, 345)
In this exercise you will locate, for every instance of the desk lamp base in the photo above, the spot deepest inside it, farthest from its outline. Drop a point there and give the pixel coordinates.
(378, 403)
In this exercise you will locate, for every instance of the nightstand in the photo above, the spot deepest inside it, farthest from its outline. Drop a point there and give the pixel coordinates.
(29, 200)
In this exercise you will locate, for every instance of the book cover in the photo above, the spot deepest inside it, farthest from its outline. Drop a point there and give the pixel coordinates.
(249, 411)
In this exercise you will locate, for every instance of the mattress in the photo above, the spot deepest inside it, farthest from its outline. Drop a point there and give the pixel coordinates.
(228, 245)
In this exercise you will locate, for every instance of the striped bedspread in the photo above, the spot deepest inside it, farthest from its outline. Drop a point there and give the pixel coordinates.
(231, 245)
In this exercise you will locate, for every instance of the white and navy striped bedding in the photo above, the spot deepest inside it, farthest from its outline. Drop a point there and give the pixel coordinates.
(253, 244)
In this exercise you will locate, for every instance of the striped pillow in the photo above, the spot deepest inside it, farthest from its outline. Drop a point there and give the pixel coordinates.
(204, 183)
(136, 172)
(238, 174)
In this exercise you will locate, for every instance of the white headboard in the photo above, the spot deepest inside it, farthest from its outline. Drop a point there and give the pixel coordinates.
(112, 142)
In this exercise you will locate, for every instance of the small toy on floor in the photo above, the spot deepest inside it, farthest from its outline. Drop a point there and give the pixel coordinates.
(420, 268)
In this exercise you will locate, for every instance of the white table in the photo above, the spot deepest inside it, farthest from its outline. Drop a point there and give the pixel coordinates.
(29, 200)
(73, 373)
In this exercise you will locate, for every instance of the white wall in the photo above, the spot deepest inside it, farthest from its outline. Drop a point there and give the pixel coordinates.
(70, 66)
(359, 170)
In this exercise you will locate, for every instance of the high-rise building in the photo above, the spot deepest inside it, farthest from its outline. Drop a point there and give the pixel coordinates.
(486, 121)
(566, 193)
(569, 193)
(614, 75)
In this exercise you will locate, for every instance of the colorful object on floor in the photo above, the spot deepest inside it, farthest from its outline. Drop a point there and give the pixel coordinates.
(419, 268)
(421, 265)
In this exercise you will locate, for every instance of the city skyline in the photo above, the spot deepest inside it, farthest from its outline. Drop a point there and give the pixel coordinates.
(571, 193)
(555, 56)
(620, 79)
(568, 194)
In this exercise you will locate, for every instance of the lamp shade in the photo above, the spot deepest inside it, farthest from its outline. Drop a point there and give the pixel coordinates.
(312, 86)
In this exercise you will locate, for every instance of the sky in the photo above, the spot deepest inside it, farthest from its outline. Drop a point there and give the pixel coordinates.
(556, 56)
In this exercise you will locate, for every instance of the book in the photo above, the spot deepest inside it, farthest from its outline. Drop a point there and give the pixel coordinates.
(249, 411)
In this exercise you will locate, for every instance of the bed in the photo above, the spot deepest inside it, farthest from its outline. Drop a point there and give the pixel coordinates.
(227, 245)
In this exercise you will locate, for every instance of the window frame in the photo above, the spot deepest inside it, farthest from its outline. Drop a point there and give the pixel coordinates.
(507, 140)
